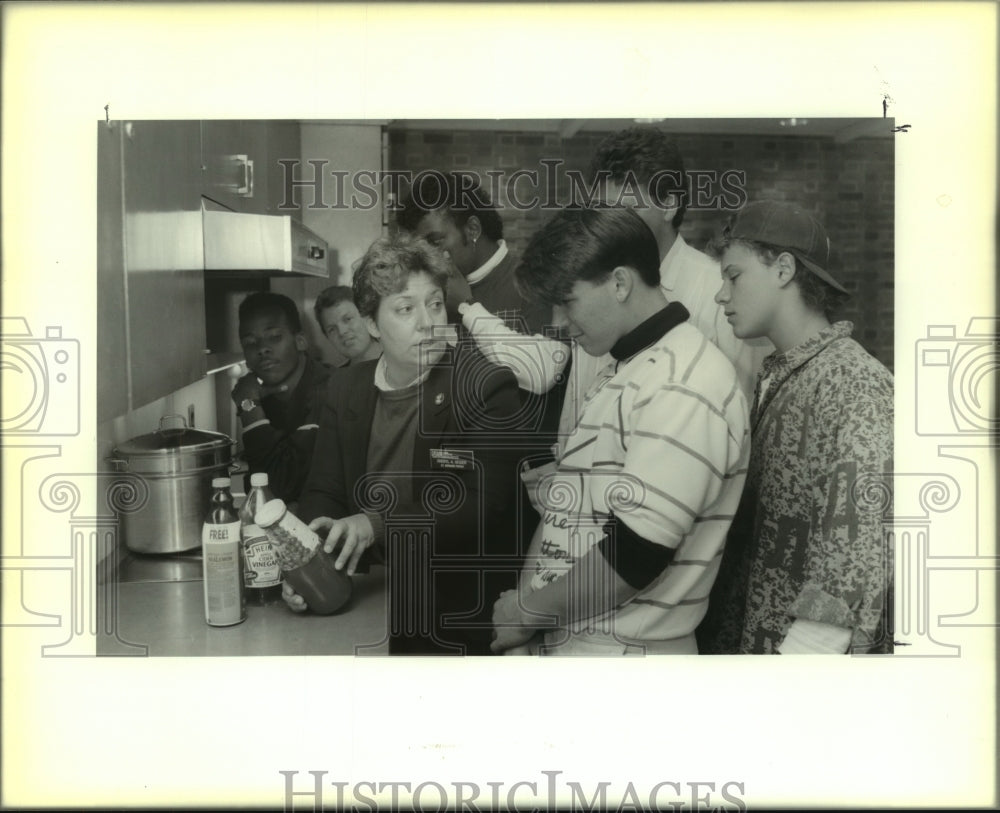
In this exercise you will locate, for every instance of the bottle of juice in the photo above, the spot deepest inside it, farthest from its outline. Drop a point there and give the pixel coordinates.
(262, 572)
(222, 559)
(304, 563)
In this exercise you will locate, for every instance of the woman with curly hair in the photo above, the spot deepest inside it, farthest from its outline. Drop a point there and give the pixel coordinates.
(410, 461)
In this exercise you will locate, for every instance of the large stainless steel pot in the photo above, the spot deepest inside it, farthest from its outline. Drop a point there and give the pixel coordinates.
(177, 464)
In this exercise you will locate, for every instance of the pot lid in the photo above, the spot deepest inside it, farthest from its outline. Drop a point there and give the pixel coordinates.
(169, 440)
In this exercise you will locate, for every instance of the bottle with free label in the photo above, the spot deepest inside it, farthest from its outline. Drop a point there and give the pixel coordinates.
(222, 560)
(262, 574)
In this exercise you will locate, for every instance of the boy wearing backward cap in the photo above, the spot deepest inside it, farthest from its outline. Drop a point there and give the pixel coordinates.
(805, 568)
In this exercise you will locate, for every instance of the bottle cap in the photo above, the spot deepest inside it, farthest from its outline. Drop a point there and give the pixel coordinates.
(269, 513)
(258, 479)
(221, 482)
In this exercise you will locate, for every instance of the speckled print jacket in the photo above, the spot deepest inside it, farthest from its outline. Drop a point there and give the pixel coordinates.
(805, 544)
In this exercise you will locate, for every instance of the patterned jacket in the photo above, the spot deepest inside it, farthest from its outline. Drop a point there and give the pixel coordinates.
(804, 544)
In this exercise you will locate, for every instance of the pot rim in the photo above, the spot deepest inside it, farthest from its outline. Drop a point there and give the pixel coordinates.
(169, 442)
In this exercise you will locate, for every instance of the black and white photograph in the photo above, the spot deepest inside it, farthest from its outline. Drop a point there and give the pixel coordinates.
(273, 243)
(386, 359)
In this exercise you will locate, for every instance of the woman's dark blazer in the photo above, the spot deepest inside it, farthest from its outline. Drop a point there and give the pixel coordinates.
(465, 484)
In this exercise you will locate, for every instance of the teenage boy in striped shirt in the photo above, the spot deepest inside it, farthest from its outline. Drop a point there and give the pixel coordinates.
(636, 509)
(641, 167)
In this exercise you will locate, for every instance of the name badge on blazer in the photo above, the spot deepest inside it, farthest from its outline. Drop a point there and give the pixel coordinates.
(453, 459)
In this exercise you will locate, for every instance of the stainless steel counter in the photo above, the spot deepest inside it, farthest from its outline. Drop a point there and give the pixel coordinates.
(144, 567)
(148, 606)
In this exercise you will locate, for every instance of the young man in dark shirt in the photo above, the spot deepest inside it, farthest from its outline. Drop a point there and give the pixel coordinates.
(453, 213)
(279, 400)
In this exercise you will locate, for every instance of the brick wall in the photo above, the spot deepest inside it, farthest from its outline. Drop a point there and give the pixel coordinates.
(849, 187)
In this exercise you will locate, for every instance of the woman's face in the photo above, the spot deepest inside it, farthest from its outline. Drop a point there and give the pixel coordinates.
(405, 323)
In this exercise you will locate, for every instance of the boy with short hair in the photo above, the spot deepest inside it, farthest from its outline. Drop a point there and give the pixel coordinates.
(279, 400)
(338, 318)
(806, 569)
(636, 510)
(453, 213)
(642, 167)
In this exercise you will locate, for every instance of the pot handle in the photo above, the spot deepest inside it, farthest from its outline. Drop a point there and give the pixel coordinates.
(181, 428)
(119, 465)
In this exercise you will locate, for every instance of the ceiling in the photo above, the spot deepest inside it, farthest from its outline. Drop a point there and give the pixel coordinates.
(839, 129)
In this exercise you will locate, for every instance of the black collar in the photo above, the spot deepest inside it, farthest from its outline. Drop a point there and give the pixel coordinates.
(650, 331)
(304, 383)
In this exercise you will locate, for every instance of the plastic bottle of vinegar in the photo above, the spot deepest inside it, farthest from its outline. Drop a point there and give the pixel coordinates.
(222, 559)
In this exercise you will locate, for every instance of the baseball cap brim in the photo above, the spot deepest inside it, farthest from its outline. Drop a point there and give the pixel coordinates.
(820, 272)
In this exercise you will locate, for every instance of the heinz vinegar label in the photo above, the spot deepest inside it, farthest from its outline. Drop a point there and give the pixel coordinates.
(223, 576)
(262, 567)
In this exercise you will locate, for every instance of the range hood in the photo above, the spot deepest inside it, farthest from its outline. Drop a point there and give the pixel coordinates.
(269, 244)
